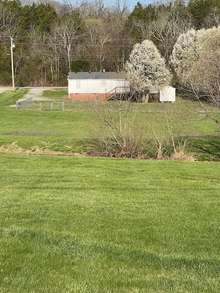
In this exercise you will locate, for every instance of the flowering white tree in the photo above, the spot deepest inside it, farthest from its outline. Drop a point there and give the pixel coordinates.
(146, 68)
(186, 52)
(195, 60)
(205, 72)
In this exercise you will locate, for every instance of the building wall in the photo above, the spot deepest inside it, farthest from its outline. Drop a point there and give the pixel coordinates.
(167, 94)
(89, 97)
(91, 89)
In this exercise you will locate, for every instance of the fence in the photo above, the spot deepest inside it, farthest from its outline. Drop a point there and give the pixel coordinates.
(42, 105)
(24, 103)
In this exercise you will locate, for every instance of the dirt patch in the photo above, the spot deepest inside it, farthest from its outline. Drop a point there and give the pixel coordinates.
(182, 156)
(4, 89)
(13, 148)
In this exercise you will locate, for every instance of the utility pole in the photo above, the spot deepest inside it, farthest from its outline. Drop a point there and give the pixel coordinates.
(12, 63)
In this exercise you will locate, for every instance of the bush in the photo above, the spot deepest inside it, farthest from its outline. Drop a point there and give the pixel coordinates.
(124, 134)
(121, 134)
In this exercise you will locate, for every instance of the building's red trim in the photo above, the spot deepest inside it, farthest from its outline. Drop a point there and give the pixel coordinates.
(89, 96)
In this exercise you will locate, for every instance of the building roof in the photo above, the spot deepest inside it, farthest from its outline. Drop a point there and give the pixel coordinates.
(97, 75)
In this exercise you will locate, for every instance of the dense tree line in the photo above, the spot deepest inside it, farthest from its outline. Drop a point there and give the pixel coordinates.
(52, 39)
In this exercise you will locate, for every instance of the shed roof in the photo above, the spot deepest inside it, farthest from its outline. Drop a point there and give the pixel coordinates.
(97, 75)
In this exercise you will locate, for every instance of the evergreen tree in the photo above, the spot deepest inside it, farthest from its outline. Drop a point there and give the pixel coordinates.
(205, 13)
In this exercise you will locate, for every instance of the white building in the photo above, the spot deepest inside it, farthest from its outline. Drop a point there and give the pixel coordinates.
(86, 86)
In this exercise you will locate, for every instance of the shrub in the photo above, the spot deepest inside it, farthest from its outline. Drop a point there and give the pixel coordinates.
(123, 133)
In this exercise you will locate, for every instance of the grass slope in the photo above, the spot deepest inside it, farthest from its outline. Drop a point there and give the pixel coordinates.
(9, 98)
(56, 130)
(73, 129)
(56, 94)
(102, 225)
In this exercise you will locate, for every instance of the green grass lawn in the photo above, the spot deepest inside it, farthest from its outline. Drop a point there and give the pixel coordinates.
(74, 129)
(58, 130)
(56, 94)
(103, 225)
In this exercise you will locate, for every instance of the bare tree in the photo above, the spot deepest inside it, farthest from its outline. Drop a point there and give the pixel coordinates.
(121, 133)
(67, 34)
(9, 20)
(98, 36)
(121, 8)
(164, 31)
(213, 18)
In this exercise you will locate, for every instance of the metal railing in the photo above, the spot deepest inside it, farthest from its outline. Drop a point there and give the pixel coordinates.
(118, 90)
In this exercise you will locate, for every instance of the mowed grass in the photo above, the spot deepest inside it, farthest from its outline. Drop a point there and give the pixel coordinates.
(76, 128)
(103, 225)
(55, 129)
(59, 94)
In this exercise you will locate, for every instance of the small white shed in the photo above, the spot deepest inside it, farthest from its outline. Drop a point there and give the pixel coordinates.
(167, 94)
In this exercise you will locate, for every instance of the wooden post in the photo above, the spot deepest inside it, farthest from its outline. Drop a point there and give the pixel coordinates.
(12, 63)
